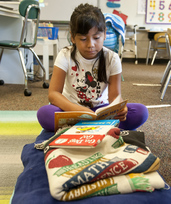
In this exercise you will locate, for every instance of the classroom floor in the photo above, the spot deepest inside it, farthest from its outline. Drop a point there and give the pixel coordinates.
(141, 85)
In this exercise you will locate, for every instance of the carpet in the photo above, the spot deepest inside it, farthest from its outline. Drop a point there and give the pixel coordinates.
(17, 128)
(21, 127)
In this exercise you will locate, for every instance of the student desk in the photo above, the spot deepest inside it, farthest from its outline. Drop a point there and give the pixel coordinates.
(8, 12)
(46, 43)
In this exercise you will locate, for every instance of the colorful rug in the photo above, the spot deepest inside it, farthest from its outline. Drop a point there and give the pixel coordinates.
(17, 128)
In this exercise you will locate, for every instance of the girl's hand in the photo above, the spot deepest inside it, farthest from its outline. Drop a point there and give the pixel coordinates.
(122, 115)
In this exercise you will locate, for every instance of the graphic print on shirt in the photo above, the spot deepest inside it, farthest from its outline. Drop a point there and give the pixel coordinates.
(87, 87)
(95, 75)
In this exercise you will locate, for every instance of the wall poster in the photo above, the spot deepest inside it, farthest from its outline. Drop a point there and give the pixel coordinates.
(158, 12)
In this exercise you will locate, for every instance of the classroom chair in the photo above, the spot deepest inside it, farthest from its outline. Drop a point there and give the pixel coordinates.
(115, 28)
(130, 39)
(30, 10)
(159, 44)
(167, 73)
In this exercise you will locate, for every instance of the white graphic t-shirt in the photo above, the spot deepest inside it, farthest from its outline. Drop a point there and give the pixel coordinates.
(81, 85)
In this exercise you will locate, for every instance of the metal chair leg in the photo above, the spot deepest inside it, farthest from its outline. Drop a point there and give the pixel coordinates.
(165, 79)
(136, 60)
(165, 85)
(121, 53)
(1, 81)
(2, 51)
(135, 44)
(154, 56)
(45, 85)
(148, 52)
(26, 91)
(166, 72)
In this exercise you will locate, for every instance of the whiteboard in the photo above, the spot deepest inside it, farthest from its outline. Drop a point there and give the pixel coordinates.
(61, 10)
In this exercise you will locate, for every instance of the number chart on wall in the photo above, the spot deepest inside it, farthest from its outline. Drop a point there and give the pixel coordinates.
(158, 12)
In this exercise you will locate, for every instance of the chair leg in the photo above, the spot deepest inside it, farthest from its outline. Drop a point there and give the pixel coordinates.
(1, 81)
(148, 52)
(121, 53)
(165, 85)
(166, 72)
(165, 79)
(45, 85)
(122, 77)
(26, 91)
(2, 51)
(136, 59)
(135, 48)
(154, 56)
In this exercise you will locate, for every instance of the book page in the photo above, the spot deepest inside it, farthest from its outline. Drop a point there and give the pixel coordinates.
(116, 101)
(109, 112)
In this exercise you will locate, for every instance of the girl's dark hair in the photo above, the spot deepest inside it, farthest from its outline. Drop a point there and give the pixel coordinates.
(84, 18)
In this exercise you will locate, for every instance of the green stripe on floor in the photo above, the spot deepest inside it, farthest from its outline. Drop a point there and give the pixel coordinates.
(5, 195)
(20, 128)
(7, 116)
(4, 201)
(19, 123)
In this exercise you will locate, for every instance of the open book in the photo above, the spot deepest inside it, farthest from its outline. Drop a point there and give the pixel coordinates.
(73, 117)
(85, 134)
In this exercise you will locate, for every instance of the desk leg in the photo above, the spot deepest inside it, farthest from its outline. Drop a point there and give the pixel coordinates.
(46, 60)
(148, 52)
(55, 51)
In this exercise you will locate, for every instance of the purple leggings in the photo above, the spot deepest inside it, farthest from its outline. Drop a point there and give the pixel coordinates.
(137, 115)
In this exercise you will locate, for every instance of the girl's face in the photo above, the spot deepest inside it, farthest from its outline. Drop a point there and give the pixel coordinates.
(90, 45)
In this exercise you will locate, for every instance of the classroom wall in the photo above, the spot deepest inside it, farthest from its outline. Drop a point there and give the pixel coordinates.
(60, 10)
(132, 8)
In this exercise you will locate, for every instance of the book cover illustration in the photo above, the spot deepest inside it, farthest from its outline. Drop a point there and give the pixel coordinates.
(84, 134)
(71, 118)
